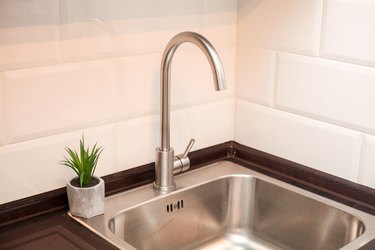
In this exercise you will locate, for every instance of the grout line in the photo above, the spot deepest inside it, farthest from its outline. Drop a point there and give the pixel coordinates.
(333, 60)
(108, 122)
(308, 116)
(322, 31)
(118, 56)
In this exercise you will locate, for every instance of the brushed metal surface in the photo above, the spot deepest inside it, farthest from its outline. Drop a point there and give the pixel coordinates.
(226, 206)
(165, 160)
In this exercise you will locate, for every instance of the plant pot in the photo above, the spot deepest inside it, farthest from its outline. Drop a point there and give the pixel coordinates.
(86, 202)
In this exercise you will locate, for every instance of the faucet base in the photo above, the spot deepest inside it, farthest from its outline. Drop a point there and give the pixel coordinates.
(164, 170)
(164, 189)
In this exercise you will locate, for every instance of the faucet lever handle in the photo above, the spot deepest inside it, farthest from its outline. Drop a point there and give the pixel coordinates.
(181, 162)
(188, 148)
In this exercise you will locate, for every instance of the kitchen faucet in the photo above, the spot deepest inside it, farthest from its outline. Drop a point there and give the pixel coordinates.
(166, 164)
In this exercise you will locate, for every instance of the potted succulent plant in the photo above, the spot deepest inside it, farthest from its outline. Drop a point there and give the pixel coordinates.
(85, 192)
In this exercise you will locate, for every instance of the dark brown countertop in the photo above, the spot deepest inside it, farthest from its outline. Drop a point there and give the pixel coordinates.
(55, 230)
(41, 222)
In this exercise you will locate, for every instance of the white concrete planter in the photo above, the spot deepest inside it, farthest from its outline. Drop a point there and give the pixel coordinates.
(86, 202)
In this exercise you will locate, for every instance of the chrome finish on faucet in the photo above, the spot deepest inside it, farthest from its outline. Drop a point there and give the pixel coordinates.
(182, 162)
(164, 161)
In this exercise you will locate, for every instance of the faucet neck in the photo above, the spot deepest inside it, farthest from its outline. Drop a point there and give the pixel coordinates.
(165, 88)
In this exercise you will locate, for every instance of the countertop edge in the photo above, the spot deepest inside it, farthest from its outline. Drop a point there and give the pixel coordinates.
(329, 186)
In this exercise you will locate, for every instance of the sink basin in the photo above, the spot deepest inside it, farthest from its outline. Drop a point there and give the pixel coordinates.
(236, 211)
(226, 206)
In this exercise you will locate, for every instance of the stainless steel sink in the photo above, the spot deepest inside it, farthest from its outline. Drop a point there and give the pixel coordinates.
(226, 206)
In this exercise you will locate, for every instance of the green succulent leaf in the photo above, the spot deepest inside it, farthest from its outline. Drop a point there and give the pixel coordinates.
(81, 179)
(84, 163)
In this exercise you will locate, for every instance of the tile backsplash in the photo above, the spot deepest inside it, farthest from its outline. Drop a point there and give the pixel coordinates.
(92, 67)
(348, 32)
(299, 74)
(309, 96)
(289, 25)
(29, 33)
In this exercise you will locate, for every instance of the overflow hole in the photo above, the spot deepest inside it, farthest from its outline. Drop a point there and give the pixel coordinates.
(178, 205)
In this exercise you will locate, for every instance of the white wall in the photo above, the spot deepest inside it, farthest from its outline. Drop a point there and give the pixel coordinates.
(305, 83)
(71, 67)
(304, 72)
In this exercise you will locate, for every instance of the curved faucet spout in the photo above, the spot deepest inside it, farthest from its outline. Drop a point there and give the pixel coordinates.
(164, 154)
(216, 68)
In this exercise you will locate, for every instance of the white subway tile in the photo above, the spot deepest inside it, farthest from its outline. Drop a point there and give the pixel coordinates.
(46, 100)
(349, 31)
(255, 74)
(95, 29)
(322, 146)
(336, 92)
(138, 89)
(136, 141)
(43, 101)
(209, 124)
(220, 22)
(32, 167)
(292, 25)
(192, 79)
(29, 32)
(367, 169)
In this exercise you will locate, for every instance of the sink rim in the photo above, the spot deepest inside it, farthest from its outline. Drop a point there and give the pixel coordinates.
(120, 203)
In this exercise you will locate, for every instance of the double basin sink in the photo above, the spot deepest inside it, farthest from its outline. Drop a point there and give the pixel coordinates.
(227, 206)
